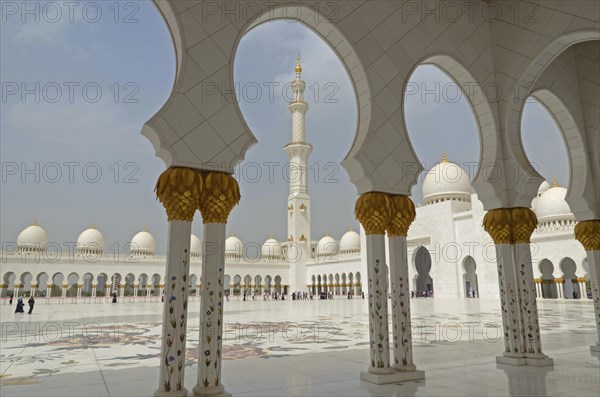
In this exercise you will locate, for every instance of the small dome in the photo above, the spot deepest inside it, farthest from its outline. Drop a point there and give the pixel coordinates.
(543, 187)
(551, 205)
(327, 246)
(142, 244)
(33, 238)
(195, 246)
(234, 246)
(446, 181)
(350, 242)
(90, 240)
(272, 249)
(541, 190)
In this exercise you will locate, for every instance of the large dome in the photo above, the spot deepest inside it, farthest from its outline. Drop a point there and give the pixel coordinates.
(234, 246)
(327, 246)
(90, 241)
(446, 181)
(272, 249)
(195, 246)
(143, 244)
(33, 238)
(551, 206)
(350, 242)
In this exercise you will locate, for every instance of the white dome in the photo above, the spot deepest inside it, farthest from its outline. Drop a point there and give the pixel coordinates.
(33, 238)
(195, 246)
(90, 240)
(551, 205)
(350, 242)
(543, 187)
(272, 249)
(541, 190)
(233, 246)
(143, 244)
(327, 246)
(446, 181)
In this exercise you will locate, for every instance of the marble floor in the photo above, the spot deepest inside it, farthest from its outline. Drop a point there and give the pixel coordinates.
(291, 348)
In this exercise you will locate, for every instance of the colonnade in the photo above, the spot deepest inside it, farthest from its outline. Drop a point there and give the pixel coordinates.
(182, 191)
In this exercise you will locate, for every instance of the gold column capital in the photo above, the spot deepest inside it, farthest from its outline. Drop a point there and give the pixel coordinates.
(221, 193)
(179, 190)
(373, 210)
(524, 223)
(588, 234)
(403, 214)
(510, 225)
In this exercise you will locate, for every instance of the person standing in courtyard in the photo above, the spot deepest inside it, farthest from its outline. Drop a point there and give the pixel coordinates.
(31, 302)
(10, 300)
(20, 305)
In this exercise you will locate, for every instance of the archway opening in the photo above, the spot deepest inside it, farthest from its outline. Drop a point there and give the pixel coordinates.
(570, 285)
(549, 290)
(470, 278)
(423, 281)
(431, 95)
(263, 72)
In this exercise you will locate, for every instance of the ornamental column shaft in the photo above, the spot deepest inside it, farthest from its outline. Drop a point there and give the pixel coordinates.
(221, 194)
(403, 214)
(511, 230)
(374, 210)
(178, 189)
(588, 234)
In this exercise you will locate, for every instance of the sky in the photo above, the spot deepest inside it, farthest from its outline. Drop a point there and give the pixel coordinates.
(78, 158)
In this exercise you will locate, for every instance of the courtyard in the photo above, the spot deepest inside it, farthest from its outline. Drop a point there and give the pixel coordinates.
(291, 348)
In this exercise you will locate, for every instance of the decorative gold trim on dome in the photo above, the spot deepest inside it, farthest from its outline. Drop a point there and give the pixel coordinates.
(373, 210)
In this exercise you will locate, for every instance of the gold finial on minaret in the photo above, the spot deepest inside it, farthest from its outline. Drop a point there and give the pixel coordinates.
(34, 222)
(554, 184)
(298, 66)
(444, 159)
(271, 235)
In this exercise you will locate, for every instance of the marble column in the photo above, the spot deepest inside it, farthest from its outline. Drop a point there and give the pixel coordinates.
(107, 295)
(135, 289)
(79, 289)
(179, 190)
(3, 288)
(588, 234)
(94, 286)
(48, 292)
(511, 230)
(559, 287)
(16, 290)
(403, 214)
(34, 287)
(198, 286)
(121, 292)
(221, 194)
(64, 290)
(374, 210)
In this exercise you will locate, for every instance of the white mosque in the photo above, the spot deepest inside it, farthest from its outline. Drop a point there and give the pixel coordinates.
(450, 254)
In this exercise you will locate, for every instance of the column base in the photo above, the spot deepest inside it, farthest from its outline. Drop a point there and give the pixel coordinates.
(595, 348)
(178, 393)
(511, 360)
(213, 391)
(540, 362)
(396, 376)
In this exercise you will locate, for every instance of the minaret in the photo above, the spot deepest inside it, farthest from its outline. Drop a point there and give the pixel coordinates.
(298, 150)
